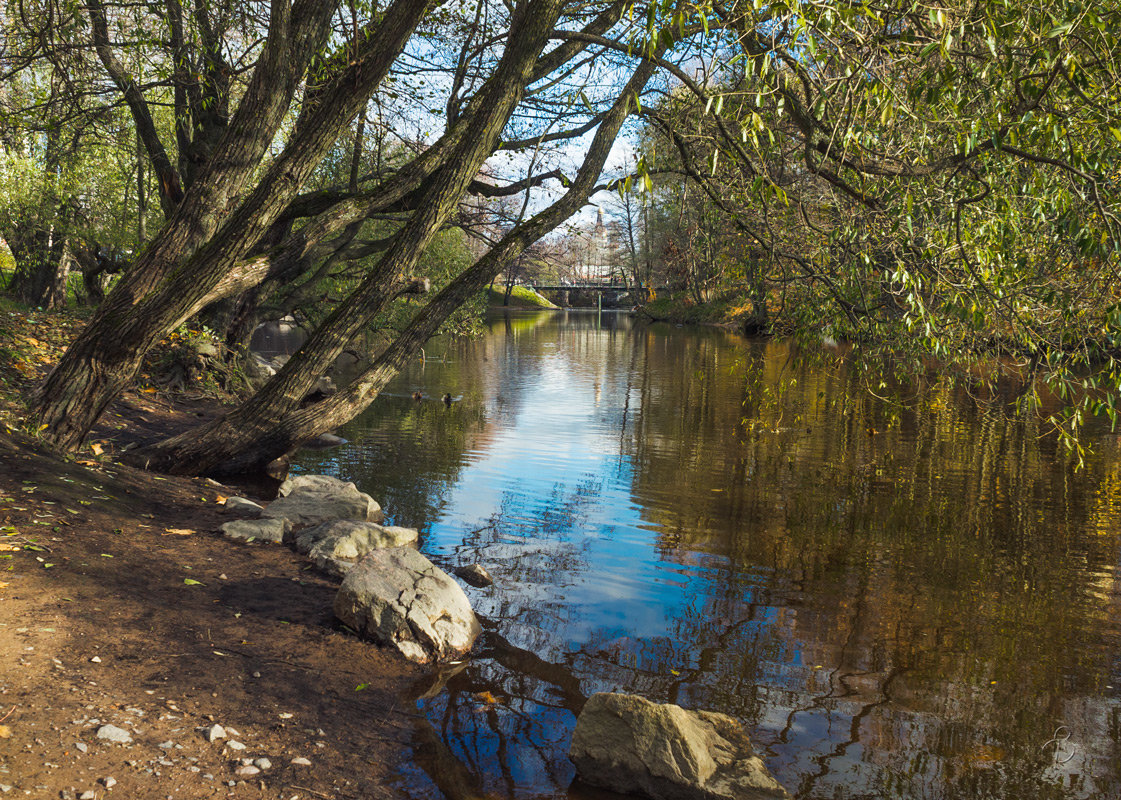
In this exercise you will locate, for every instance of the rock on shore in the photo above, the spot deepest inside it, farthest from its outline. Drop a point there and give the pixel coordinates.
(401, 599)
(631, 745)
(336, 546)
(315, 499)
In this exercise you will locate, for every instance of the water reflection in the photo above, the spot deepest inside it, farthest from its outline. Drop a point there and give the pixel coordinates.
(900, 600)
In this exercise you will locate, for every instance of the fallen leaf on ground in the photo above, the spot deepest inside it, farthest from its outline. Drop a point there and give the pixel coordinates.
(179, 531)
(221, 499)
(97, 449)
(5, 732)
(193, 582)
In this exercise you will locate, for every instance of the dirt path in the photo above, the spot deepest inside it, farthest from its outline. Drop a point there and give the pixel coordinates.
(120, 605)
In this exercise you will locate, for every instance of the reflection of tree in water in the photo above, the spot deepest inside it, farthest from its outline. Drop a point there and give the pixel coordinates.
(901, 600)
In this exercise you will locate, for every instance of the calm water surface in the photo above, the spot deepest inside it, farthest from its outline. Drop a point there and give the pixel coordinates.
(899, 601)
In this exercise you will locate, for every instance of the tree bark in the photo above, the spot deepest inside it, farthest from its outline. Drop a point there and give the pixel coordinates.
(175, 276)
(261, 430)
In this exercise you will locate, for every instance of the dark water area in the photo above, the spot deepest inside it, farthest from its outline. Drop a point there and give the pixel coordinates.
(898, 600)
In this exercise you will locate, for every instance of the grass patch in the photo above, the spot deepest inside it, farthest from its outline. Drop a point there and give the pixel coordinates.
(730, 308)
(520, 297)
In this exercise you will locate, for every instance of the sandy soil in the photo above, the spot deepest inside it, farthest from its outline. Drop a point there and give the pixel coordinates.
(119, 604)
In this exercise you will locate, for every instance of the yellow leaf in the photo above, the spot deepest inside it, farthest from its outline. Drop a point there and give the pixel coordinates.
(5, 732)
(221, 499)
(486, 697)
(4, 584)
(179, 531)
(97, 449)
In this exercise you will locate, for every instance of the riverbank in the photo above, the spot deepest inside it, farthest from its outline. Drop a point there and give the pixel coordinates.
(520, 297)
(732, 310)
(121, 605)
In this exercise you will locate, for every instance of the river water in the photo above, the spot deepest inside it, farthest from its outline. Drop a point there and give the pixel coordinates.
(901, 596)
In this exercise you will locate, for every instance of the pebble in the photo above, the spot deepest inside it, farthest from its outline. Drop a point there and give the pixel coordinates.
(233, 744)
(214, 733)
(89, 794)
(5, 788)
(95, 660)
(114, 734)
(263, 763)
(81, 747)
(109, 781)
(166, 745)
(301, 761)
(247, 771)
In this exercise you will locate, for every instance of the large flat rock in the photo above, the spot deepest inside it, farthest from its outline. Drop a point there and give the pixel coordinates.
(311, 504)
(631, 745)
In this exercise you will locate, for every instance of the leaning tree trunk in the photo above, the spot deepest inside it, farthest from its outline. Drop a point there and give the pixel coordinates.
(177, 275)
(202, 450)
(249, 438)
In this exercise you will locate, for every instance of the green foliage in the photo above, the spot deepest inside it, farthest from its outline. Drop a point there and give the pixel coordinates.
(520, 297)
(945, 180)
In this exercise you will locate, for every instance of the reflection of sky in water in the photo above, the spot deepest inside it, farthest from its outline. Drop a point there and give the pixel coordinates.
(903, 614)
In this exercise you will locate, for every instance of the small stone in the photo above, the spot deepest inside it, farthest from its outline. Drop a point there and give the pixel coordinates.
(95, 660)
(5, 788)
(164, 762)
(300, 761)
(81, 747)
(243, 507)
(223, 577)
(285, 715)
(88, 794)
(166, 745)
(233, 744)
(476, 575)
(214, 733)
(256, 674)
(262, 763)
(114, 734)
(109, 782)
(247, 772)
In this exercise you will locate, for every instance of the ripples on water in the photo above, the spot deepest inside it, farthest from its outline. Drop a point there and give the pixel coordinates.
(898, 601)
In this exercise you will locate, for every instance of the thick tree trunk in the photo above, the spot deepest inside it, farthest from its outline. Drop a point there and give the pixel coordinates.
(528, 36)
(176, 276)
(254, 435)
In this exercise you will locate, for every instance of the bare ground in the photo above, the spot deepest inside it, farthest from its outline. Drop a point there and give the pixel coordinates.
(119, 604)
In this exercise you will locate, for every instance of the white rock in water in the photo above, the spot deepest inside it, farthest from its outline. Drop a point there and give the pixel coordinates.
(476, 575)
(632, 746)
